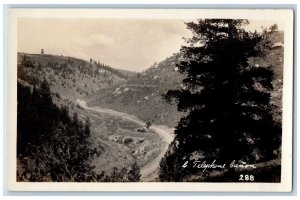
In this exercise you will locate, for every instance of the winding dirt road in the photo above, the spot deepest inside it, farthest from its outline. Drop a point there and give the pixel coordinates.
(150, 171)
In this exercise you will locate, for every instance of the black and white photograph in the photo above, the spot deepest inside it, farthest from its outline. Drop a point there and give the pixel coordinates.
(160, 98)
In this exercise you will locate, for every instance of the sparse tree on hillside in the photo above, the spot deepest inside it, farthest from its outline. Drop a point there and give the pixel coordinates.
(134, 173)
(26, 62)
(226, 99)
(273, 28)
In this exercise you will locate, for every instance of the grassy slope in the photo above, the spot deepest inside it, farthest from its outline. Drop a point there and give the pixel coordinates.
(141, 94)
(69, 77)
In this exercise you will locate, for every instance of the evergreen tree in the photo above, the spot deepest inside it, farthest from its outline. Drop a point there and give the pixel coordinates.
(51, 145)
(134, 173)
(226, 100)
(26, 62)
(87, 126)
(64, 115)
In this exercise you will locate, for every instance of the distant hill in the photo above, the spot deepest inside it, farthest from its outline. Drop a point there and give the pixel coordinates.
(67, 76)
(141, 95)
(126, 73)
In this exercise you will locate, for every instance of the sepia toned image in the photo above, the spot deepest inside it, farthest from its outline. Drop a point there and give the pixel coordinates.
(157, 98)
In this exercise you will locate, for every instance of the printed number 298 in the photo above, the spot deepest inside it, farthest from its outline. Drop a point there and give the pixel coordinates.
(246, 177)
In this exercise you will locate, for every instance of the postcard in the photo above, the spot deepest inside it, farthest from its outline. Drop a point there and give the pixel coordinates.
(150, 100)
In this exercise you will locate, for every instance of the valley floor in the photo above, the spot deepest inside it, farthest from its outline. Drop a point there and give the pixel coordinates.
(150, 164)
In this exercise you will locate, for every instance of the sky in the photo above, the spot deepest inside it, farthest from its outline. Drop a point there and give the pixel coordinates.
(130, 44)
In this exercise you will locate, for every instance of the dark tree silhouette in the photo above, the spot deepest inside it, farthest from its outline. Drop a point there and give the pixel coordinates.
(26, 62)
(226, 99)
(87, 126)
(134, 173)
(51, 145)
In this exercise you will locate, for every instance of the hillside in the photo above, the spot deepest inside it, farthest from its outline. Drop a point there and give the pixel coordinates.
(70, 77)
(121, 141)
(125, 73)
(275, 59)
(141, 95)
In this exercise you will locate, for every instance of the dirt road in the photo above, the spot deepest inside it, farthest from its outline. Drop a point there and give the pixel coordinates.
(150, 171)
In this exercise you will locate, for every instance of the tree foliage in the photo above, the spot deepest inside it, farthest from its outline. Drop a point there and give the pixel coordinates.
(134, 173)
(227, 100)
(54, 146)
